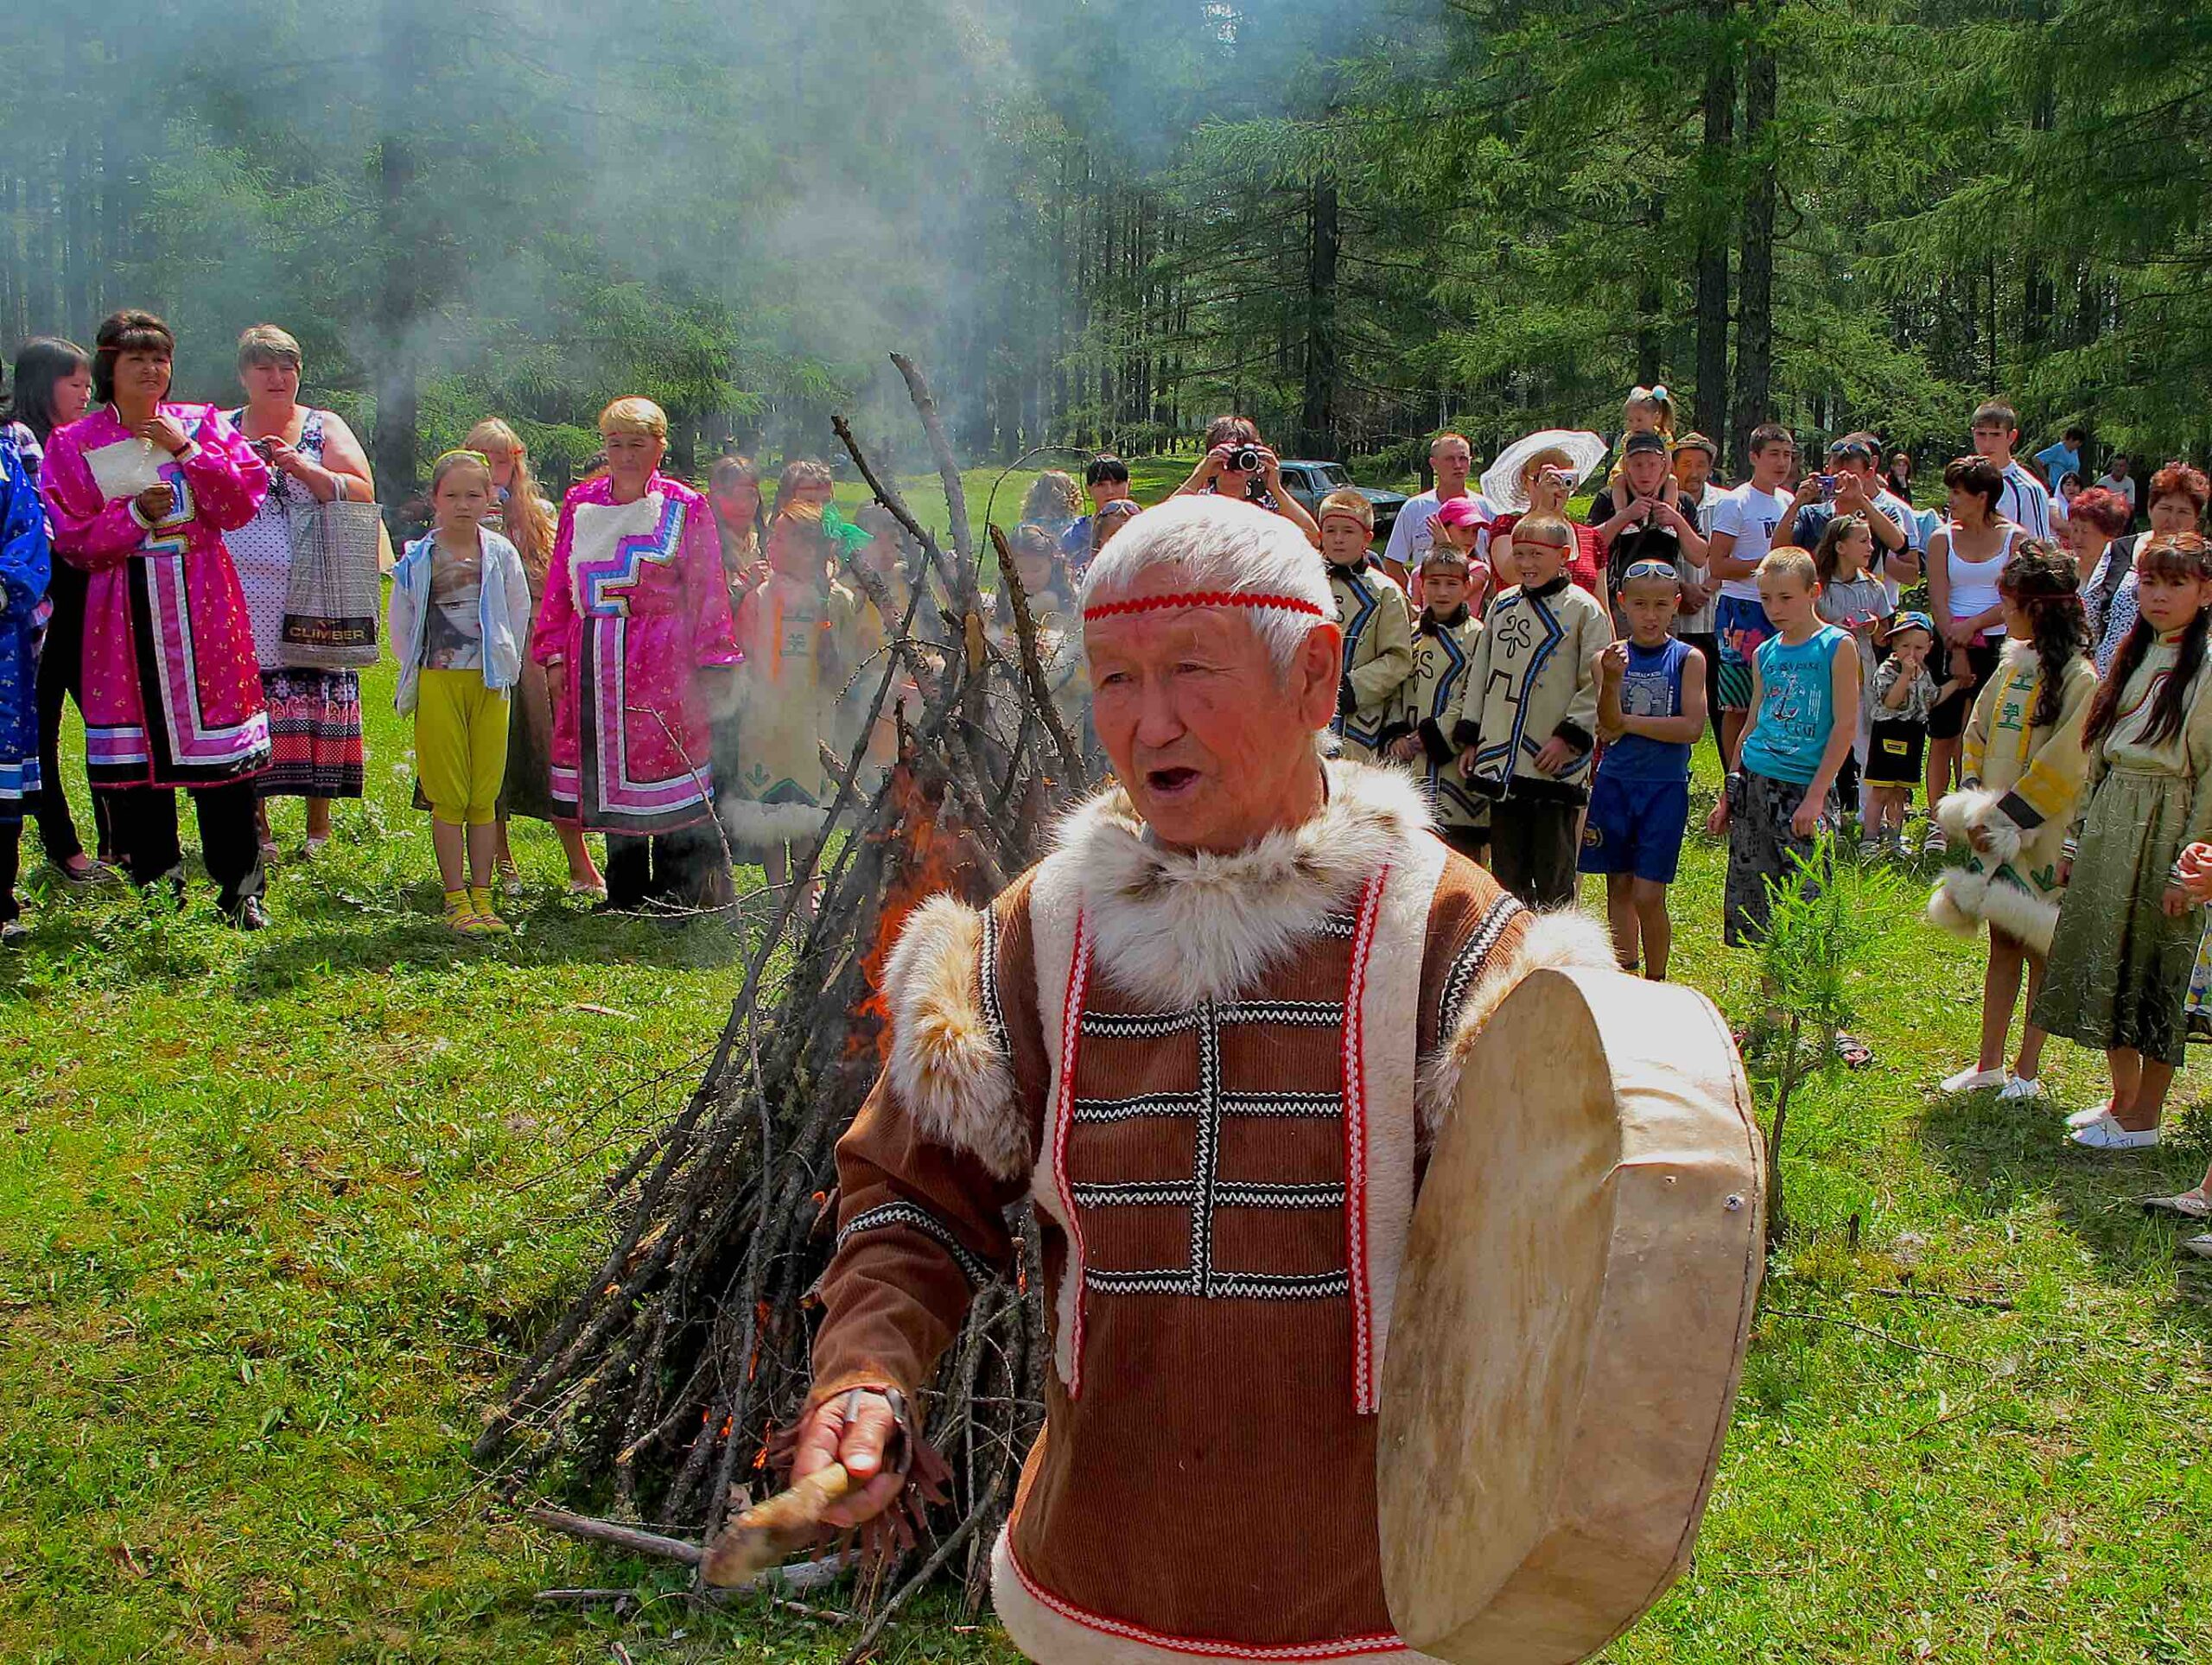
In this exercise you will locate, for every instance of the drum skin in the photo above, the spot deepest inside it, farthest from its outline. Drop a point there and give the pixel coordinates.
(1570, 1322)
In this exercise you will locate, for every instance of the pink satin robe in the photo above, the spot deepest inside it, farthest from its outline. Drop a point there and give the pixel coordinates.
(637, 613)
(172, 686)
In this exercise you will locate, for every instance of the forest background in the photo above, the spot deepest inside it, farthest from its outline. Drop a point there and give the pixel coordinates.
(1100, 224)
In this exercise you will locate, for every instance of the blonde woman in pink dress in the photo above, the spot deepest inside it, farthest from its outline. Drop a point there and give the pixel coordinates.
(634, 634)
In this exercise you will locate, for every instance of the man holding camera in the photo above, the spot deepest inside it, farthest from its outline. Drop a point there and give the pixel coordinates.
(1853, 485)
(1238, 466)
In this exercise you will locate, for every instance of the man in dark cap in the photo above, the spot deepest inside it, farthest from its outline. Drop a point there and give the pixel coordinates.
(1634, 522)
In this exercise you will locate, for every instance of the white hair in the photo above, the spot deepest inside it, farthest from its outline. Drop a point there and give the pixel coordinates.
(1218, 544)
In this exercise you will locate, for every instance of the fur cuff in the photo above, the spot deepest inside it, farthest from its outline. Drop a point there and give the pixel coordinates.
(757, 825)
(947, 1066)
(1955, 903)
(1566, 938)
(1963, 813)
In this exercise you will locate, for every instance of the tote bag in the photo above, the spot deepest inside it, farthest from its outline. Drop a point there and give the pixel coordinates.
(330, 607)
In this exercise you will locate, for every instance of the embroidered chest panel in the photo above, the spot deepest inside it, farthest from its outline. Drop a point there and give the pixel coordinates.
(1206, 1151)
(1440, 661)
(1357, 600)
(617, 547)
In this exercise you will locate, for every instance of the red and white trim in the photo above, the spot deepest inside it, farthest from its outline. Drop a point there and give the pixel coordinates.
(1365, 1395)
(1048, 1627)
(1072, 1275)
(1381, 1125)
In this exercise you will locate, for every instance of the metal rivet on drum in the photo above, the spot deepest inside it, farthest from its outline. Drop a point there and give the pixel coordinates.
(1734, 1203)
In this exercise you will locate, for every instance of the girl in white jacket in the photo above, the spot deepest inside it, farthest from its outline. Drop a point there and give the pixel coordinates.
(460, 613)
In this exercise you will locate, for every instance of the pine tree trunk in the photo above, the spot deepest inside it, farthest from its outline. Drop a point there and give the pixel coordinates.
(1755, 262)
(395, 462)
(77, 200)
(1649, 324)
(11, 264)
(45, 286)
(1317, 420)
(1715, 179)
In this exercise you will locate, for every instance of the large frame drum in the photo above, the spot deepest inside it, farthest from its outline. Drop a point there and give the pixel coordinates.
(1570, 1323)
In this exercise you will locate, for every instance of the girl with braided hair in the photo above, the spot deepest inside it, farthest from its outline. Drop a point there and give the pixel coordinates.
(2127, 929)
(2023, 766)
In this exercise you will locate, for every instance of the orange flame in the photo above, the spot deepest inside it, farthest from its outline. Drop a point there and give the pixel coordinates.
(927, 852)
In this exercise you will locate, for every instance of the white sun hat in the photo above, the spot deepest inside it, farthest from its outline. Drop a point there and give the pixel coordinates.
(1501, 487)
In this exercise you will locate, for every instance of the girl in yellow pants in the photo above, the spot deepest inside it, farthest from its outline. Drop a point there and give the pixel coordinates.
(460, 613)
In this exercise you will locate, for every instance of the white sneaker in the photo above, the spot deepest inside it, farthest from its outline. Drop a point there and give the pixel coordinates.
(1933, 842)
(2088, 1118)
(2021, 1089)
(2109, 1136)
(1971, 1080)
(2199, 1246)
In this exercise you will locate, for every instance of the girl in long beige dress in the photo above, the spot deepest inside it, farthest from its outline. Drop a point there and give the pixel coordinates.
(2127, 928)
(798, 634)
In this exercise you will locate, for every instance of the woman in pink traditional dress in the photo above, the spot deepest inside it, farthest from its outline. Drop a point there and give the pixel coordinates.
(635, 636)
(140, 493)
(315, 715)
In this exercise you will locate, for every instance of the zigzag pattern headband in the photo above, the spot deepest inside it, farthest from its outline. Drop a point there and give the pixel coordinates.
(1204, 598)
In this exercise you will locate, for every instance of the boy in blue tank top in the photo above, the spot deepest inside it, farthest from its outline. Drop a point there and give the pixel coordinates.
(1804, 713)
(1650, 710)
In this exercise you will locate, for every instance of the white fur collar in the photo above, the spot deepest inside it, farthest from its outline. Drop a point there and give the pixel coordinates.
(1177, 928)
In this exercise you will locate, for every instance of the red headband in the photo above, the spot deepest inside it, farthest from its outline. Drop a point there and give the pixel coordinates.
(1204, 598)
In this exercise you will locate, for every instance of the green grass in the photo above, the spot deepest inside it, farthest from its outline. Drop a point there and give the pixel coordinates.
(271, 1208)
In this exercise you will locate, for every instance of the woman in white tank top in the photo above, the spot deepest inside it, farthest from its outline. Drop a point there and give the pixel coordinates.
(1965, 558)
(1972, 587)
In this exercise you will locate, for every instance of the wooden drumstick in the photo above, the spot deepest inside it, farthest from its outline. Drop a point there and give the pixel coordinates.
(766, 1533)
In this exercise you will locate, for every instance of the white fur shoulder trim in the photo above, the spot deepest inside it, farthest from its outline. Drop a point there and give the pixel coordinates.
(1566, 938)
(949, 1064)
(1180, 927)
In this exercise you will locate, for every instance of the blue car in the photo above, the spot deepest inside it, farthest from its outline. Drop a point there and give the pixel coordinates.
(1309, 482)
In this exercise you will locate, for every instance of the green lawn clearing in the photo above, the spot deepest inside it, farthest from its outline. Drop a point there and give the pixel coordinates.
(274, 1209)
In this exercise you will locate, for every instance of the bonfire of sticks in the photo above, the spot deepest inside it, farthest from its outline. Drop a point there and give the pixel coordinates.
(652, 1400)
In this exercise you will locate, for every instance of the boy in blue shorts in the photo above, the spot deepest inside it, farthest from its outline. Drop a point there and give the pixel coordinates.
(1650, 710)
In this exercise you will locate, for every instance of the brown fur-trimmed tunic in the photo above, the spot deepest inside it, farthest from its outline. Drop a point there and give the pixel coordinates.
(1261, 1044)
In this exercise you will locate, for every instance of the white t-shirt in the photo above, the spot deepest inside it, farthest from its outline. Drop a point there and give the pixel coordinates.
(1750, 515)
(2122, 488)
(2025, 504)
(1411, 535)
(1700, 510)
(1900, 513)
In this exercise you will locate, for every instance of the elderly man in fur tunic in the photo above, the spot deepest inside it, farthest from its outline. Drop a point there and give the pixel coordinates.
(1211, 1035)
